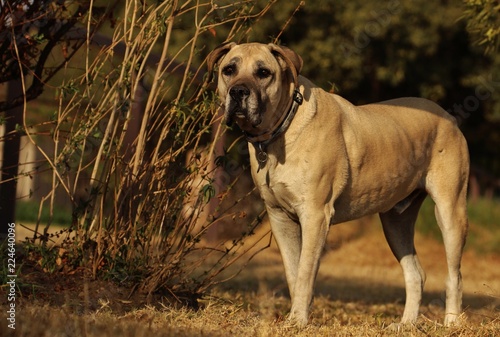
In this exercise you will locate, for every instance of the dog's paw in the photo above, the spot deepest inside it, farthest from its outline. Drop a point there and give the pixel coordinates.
(451, 320)
(296, 321)
(399, 327)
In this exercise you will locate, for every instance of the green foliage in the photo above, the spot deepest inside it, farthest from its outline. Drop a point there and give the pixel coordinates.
(208, 192)
(374, 50)
(484, 215)
(31, 31)
(28, 212)
(69, 89)
(22, 286)
(45, 256)
(426, 221)
(483, 20)
(20, 129)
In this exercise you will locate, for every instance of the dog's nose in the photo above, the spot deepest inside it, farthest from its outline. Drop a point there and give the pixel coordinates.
(238, 92)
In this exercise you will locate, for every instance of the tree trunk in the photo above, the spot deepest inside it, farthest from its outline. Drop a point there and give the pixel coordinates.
(10, 160)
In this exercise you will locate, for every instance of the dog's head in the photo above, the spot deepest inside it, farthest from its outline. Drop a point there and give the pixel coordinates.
(255, 82)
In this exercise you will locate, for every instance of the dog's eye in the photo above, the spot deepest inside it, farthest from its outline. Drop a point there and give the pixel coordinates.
(228, 70)
(263, 73)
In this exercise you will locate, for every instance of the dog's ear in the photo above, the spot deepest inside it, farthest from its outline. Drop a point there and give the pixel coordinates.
(214, 57)
(291, 58)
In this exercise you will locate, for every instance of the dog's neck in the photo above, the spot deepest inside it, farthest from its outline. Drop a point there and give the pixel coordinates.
(262, 140)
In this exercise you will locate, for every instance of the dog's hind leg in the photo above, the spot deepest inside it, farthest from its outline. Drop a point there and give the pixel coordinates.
(446, 183)
(451, 216)
(399, 230)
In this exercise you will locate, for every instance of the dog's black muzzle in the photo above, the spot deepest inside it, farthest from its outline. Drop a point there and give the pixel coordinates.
(239, 93)
(237, 104)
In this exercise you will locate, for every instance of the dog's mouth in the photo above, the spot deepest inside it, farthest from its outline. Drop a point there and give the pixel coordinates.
(245, 112)
(244, 118)
(239, 112)
(234, 112)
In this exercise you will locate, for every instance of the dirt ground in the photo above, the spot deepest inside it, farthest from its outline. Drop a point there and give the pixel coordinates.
(359, 291)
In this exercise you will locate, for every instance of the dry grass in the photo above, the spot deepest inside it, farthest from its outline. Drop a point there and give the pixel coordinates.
(359, 292)
(260, 316)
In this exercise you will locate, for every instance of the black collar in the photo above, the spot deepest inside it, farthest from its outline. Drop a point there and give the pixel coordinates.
(261, 141)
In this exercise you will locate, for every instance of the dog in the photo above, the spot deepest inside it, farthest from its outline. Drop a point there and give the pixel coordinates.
(318, 160)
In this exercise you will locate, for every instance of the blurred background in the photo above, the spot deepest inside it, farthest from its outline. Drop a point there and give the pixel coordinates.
(109, 125)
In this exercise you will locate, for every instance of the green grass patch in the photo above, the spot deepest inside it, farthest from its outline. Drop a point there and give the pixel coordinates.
(27, 211)
(426, 221)
(484, 217)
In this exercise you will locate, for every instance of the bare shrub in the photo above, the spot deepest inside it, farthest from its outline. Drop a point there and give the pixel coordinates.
(125, 122)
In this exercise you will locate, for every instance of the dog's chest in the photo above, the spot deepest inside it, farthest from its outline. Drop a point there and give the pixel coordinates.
(276, 192)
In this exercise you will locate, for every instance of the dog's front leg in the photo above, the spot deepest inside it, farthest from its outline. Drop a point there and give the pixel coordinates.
(288, 237)
(314, 230)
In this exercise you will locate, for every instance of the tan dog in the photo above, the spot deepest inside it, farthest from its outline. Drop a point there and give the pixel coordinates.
(318, 160)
